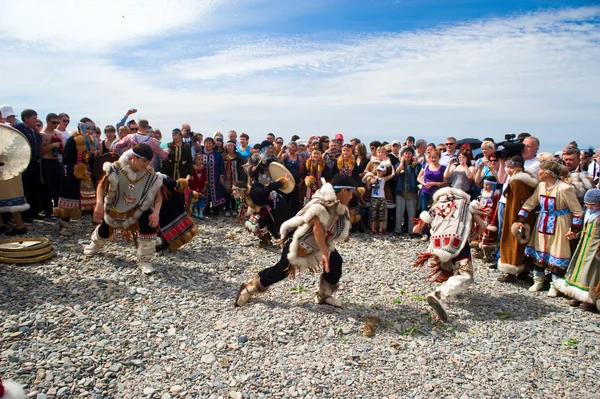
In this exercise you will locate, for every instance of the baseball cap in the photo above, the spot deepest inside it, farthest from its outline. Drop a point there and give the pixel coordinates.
(396, 142)
(339, 137)
(381, 167)
(7, 111)
(301, 142)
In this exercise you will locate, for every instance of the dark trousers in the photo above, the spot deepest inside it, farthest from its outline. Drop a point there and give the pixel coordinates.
(32, 187)
(275, 274)
(145, 229)
(52, 173)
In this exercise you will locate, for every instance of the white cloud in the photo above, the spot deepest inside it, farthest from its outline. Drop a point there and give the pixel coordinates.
(92, 25)
(535, 72)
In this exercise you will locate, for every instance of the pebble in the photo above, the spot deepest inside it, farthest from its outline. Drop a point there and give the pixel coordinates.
(96, 328)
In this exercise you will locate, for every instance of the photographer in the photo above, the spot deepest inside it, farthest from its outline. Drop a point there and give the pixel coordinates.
(530, 146)
(488, 165)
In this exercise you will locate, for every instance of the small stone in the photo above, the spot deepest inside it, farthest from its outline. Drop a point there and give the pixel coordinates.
(142, 290)
(235, 395)
(63, 391)
(149, 391)
(242, 339)
(115, 367)
(208, 358)
(176, 389)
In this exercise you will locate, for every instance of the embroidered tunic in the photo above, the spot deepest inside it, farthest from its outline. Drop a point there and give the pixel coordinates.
(559, 210)
(213, 162)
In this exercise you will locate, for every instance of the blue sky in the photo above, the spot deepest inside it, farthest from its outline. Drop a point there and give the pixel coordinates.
(371, 68)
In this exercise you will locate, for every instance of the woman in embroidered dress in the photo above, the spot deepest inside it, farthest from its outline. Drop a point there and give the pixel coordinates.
(77, 191)
(560, 213)
(233, 172)
(213, 162)
(315, 166)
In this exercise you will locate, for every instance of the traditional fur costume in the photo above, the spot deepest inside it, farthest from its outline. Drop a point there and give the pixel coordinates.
(451, 217)
(512, 242)
(266, 208)
(302, 252)
(78, 192)
(580, 182)
(487, 240)
(128, 198)
(176, 227)
(10, 389)
(312, 181)
(583, 273)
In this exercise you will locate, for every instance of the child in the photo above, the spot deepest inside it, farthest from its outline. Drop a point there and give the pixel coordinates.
(378, 202)
(198, 184)
(582, 279)
(315, 166)
(487, 241)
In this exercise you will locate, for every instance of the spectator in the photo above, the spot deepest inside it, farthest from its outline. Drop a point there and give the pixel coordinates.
(8, 115)
(331, 156)
(39, 125)
(218, 137)
(323, 144)
(360, 154)
(123, 132)
(244, 148)
(233, 172)
(396, 148)
(110, 134)
(431, 178)
(373, 146)
(213, 162)
(451, 151)
(51, 147)
(179, 162)
(410, 142)
(232, 136)
(31, 177)
(532, 145)
(271, 137)
(64, 120)
(123, 120)
(407, 190)
(488, 165)
(460, 172)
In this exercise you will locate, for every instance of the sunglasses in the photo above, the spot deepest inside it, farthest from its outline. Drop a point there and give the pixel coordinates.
(66, 120)
(493, 160)
(450, 143)
(38, 125)
(280, 142)
(325, 141)
(54, 122)
(133, 129)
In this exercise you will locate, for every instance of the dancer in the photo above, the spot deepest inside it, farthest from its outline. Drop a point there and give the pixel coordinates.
(268, 209)
(313, 233)
(449, 254)
(176, 227)
(77, 192)
(128, 201)
(583, 273)
(560, 212)
(512, 241)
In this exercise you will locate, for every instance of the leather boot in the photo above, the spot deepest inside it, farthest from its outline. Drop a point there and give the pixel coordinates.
(436, 302)
(247, 290)
(508, 278)
(325, 294)
(265, 238)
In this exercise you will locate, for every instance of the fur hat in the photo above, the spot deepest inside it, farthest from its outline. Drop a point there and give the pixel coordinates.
(592, 196)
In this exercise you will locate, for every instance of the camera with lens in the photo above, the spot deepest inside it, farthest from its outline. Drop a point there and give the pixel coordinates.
(510, 147)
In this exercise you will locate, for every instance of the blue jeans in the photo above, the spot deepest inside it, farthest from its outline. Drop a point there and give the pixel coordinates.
(425, 200)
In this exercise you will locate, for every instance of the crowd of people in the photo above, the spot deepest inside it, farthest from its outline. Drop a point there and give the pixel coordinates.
(538, 210)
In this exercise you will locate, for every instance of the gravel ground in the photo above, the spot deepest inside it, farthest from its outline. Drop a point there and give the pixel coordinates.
(95, 327)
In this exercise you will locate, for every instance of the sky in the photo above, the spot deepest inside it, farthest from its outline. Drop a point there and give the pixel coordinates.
(370, 69)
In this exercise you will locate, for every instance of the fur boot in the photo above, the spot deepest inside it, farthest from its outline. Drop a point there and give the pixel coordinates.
(265, 238)
(145, 253)
(96, 244)
(247, 290)
(64, 229)
(325, 294)
(538, 284)
(552, 292)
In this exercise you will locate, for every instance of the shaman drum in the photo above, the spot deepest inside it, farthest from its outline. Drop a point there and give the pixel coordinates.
(26, 250)
(277, 170)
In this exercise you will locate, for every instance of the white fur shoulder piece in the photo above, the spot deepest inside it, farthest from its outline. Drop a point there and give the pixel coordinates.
(450, 191)
(525, 178)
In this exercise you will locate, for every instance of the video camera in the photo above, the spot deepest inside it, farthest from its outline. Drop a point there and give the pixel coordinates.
(511, 146)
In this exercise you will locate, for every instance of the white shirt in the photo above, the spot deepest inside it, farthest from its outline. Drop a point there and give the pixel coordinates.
(445, 158)
(532, 166)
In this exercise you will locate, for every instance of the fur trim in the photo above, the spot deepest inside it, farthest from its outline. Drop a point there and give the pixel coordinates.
(12, 390)
(284, 183)
(525, 178)
(573, 292)
(514, 229)
(450, 191)
(426, 217)
(309, 181)
(184, 239)
(67, 213)
(80, 171)
(475, 207)
(492, 228)
(113, 181)
(182, 185)
(15, 209)
(511, 269)
(367, 177)
(593, 294)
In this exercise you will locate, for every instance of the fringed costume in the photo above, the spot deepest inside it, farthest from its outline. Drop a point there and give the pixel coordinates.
(301, 251)
(449, 256)
(266, 207)
(176, 227)
(312, 181)
(78, 192)
(129, 197)
(512, 241)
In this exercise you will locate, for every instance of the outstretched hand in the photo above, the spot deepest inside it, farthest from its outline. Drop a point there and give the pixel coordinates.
(325, 262)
